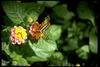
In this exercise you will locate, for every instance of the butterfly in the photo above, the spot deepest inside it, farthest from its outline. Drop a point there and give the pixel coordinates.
(39, 29)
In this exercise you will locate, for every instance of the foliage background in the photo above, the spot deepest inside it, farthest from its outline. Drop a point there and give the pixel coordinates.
(72, 36)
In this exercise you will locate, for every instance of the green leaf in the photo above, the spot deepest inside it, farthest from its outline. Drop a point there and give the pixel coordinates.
(73, 30)
(93, 43)
(56, 59)
(33, 59)
(26, 51)
(18, 12)
(13, 54)
(54, 32)
(83, 55)
(5, 48)
(83, 52)
(5, 33)
(29, 54)
(14, 63)
(6, 29)
(85, 12)
(17, 59)
(13, 51)
(43, 48)
(19, 62)
(34, 15)
(85, 48)
(33, 10)
(65, 62)
(14, 48)
(14, 11)
(4, 63)
(58, 62)
(61, 11)
(81, 25)
(72, 45)
(22, 62)
(48, 3)
(57, 56)
(33, 6)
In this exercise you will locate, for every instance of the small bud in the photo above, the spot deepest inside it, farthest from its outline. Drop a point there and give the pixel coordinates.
(30, 20)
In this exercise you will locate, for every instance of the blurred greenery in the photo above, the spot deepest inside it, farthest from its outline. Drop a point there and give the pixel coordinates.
(72, 33)
(85, 12)
(48, 3)
(93, 44)
(83, 52)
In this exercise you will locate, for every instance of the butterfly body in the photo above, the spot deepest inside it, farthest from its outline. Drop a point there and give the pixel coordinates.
(37, 30)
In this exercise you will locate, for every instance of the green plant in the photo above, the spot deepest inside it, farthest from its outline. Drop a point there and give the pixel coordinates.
(62, 37)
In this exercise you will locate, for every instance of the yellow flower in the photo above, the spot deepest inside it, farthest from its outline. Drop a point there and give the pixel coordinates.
(18, 35)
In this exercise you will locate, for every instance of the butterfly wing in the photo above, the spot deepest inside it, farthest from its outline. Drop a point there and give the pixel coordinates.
(45, 24)
(43, 27)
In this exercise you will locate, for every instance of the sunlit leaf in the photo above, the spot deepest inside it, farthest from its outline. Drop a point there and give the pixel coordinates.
(43, 48)
(54, 32)
(33, 59)
(30, 55)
